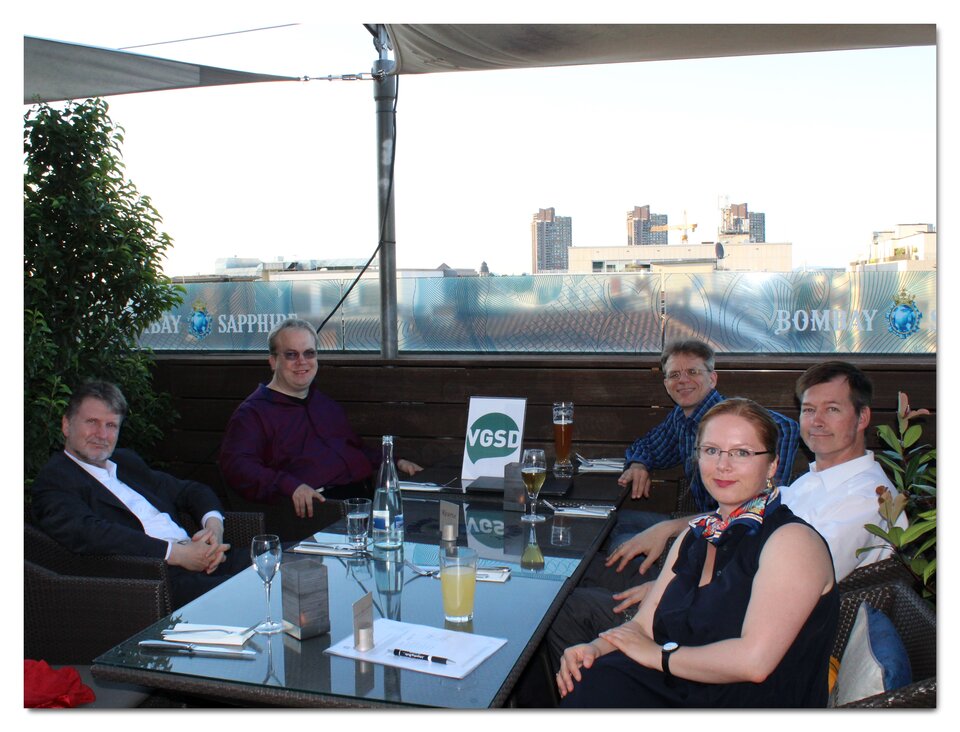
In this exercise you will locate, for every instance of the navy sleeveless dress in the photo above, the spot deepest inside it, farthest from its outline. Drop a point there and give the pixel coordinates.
(695, 616)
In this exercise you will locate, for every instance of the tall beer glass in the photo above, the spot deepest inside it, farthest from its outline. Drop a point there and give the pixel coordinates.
(563, 437)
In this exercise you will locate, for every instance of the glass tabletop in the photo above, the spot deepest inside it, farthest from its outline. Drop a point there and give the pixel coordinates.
(513, 610)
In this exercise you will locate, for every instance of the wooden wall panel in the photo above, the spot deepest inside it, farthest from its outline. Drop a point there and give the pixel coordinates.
(423, 401)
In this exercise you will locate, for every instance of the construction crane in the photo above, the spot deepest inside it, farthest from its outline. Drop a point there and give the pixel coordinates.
(684, 226)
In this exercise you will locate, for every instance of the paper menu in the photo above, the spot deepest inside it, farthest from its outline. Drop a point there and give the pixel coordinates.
(466, 650)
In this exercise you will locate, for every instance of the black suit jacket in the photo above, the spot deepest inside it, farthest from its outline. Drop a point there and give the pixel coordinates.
(74, 508)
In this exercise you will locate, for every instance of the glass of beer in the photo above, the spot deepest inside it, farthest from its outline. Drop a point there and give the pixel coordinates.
(458, 583)
(563, 437)
(533, 470)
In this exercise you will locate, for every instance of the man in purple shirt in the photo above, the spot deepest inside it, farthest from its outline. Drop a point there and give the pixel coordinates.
(289, 441)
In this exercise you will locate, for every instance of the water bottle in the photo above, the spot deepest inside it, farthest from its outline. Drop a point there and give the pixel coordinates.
(387, 504)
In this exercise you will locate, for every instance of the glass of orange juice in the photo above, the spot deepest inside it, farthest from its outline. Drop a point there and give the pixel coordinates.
(458, 583)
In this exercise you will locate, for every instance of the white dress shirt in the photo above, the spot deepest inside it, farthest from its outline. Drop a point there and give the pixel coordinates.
(838, 502)
(155, 523)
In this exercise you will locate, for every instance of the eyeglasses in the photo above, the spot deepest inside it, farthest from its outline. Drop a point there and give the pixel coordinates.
(737, 455)
(690, 373)
(291, 356)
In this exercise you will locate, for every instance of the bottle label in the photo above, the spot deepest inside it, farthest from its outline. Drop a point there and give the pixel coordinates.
(380, 519)
(398, 522)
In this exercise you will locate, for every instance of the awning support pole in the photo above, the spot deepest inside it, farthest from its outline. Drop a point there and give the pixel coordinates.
(385, 95)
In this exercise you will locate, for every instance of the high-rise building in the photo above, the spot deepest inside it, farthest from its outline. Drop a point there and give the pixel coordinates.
(738, 222)
(639, 223)
(552, 237)
(758, 227)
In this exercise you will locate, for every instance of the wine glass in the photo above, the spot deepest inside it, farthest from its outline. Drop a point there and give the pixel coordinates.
(533, 470)
(265, 552)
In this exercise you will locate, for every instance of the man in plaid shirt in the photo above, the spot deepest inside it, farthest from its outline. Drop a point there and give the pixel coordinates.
(690, 380)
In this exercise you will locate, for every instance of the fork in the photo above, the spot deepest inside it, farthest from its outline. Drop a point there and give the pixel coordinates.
(419, 570)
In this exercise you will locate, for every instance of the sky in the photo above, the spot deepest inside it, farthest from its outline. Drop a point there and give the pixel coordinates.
(830, 146)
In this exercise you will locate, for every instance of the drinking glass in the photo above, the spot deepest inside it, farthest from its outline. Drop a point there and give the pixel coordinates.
(458, 583)
(533, 470)
(562, 533)
(563, 437)
(265, 552)
(358, 521)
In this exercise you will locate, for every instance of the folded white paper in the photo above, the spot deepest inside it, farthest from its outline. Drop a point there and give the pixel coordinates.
(602, 465)
(412, 485)
(465, 651)
(219, 635)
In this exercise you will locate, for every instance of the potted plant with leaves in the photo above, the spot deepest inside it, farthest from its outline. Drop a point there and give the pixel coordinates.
(912, 467)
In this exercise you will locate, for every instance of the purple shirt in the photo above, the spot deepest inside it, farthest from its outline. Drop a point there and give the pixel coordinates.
(274, 443)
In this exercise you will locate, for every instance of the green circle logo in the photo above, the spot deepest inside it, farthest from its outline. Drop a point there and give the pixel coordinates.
(493, 435)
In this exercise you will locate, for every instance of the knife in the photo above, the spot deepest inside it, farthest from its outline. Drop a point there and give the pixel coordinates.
(193, 649)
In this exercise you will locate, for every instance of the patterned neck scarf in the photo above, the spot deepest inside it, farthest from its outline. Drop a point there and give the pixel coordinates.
(749, 514)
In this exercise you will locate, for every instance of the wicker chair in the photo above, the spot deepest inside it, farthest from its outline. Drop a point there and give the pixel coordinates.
(916, 623)
(46, 553)
(73, 619)
(77, 606)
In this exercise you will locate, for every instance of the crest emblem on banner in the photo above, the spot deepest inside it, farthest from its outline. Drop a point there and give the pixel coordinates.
(903, 318)
(200, 320)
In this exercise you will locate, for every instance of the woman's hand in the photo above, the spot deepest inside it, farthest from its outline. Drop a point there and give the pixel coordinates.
(573, 659)
(633, 642)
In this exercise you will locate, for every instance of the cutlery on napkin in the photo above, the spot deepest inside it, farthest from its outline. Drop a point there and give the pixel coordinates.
(220, 635)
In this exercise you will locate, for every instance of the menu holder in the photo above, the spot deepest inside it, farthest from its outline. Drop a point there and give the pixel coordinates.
(449, 521)
(363, 623)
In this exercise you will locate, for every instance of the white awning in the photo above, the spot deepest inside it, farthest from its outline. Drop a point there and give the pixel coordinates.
(54, 71)
(423, 49)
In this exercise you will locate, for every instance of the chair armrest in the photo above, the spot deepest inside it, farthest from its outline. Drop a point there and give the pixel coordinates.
(240, 527)
(916, 623)
(918, 695)
(886, 570)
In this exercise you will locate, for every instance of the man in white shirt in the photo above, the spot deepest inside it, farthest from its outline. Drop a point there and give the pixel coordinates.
(838, 496)
(95, 499)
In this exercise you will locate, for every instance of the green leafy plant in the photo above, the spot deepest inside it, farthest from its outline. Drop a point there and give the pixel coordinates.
(92, 276)
(912, 470)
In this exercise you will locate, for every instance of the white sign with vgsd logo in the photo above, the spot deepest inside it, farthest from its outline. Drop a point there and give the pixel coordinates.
(494, 436)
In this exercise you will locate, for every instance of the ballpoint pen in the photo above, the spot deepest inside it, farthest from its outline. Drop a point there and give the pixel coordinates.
(420, 656)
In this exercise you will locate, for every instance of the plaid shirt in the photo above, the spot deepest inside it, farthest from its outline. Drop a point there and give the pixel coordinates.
(672, 442)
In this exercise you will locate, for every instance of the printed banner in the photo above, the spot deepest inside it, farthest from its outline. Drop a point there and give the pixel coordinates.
(829, 312)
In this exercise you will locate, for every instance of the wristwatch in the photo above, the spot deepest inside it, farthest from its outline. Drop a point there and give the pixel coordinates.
(665, 650)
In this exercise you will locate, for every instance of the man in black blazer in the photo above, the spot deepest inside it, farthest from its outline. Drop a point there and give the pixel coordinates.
(95, 500)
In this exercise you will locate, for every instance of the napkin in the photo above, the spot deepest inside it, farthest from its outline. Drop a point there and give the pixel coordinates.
(582, 512)
(237, 636)
(412, 485)
(50, 688)
(326, 551)
(601, 465)
(483, 575)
